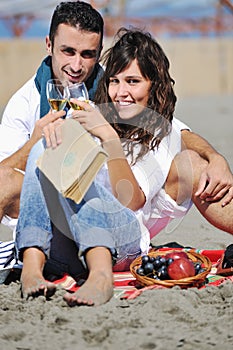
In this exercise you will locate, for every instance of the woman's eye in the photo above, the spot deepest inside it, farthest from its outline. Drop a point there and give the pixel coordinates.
(113, 81)
(133, 81)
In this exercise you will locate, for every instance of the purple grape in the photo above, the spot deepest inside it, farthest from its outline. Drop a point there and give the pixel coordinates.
(148, 268)
(145, 259)
(140, 271)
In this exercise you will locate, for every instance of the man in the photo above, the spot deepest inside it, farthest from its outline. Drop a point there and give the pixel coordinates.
(74, 46)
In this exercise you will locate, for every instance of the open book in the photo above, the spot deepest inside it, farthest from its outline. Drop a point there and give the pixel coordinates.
(73, 165)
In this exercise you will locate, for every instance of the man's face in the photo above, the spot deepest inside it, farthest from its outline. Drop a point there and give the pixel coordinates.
(74, 53)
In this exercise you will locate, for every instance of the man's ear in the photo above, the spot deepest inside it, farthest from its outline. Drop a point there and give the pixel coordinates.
(99, 53)
(48, 45)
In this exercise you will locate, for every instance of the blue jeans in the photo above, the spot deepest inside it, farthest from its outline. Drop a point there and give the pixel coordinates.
(64, 230)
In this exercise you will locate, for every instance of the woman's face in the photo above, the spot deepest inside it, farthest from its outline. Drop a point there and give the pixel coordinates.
(129, 91)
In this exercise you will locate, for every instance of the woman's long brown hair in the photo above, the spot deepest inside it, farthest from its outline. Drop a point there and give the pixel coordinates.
(154, 123)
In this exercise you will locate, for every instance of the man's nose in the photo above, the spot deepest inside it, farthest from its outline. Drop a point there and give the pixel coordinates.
(76, 63)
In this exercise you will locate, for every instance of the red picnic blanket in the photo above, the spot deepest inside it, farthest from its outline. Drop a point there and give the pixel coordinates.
(127, 287)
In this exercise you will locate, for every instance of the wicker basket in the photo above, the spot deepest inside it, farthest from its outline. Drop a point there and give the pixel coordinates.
(195, 281)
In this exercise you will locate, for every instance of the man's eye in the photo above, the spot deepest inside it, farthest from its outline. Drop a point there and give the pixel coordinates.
(89, 54)
(69, 51)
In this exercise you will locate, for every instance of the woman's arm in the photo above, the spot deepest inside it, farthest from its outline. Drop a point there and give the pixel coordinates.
(124, 184)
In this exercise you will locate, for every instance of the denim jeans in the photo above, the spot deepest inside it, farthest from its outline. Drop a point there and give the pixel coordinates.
(99, 220)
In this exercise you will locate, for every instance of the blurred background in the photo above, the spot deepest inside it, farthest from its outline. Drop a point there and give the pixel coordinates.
(197, 37)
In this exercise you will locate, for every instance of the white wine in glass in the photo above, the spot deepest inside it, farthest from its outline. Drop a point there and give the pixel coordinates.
(57, 94)
(79, 92)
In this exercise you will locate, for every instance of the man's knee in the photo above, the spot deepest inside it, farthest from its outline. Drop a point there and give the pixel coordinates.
(189, 162)
(6, 174)
(9, 174)
(10, 189)
(10, 182)
(184, 175)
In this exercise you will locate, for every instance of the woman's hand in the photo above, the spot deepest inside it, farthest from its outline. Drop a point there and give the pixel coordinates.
(93, 121)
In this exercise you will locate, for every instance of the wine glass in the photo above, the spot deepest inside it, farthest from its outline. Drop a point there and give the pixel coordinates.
(57, 94)
(79, 92)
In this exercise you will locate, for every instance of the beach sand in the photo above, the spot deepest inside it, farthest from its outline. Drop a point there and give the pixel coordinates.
(159, 319)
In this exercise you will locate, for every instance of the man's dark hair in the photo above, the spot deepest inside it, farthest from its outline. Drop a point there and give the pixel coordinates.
(77, 13)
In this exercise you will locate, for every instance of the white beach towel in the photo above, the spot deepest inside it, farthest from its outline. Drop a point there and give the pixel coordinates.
(7, 259)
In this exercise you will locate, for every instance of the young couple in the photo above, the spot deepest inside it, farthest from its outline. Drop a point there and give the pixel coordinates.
(149, 177)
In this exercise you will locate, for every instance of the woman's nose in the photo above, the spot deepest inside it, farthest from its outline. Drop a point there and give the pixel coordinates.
(122, 89)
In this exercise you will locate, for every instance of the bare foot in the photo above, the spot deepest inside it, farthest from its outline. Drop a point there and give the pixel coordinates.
(97, 290)
(32, 279)
(35, 285)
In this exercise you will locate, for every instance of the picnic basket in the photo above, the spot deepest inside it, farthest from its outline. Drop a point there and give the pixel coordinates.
(195, 281)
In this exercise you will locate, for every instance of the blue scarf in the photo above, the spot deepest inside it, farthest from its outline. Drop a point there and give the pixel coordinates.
(44, 73)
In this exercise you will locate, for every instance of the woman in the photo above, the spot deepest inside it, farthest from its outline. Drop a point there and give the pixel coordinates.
(136, 97)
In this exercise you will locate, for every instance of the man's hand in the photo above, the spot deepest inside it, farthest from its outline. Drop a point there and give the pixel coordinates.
(216, 182)
(40, 124)
(52, 133)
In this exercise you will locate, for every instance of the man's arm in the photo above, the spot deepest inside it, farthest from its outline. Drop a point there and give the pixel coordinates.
(217, 180)
(19, 158)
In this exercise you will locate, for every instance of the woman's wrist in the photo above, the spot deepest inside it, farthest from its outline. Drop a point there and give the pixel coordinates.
(114, 148)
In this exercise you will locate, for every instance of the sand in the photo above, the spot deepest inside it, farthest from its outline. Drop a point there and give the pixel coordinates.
(159, 319)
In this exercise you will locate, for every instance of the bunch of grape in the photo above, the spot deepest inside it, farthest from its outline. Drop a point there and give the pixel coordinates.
(173, 266)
